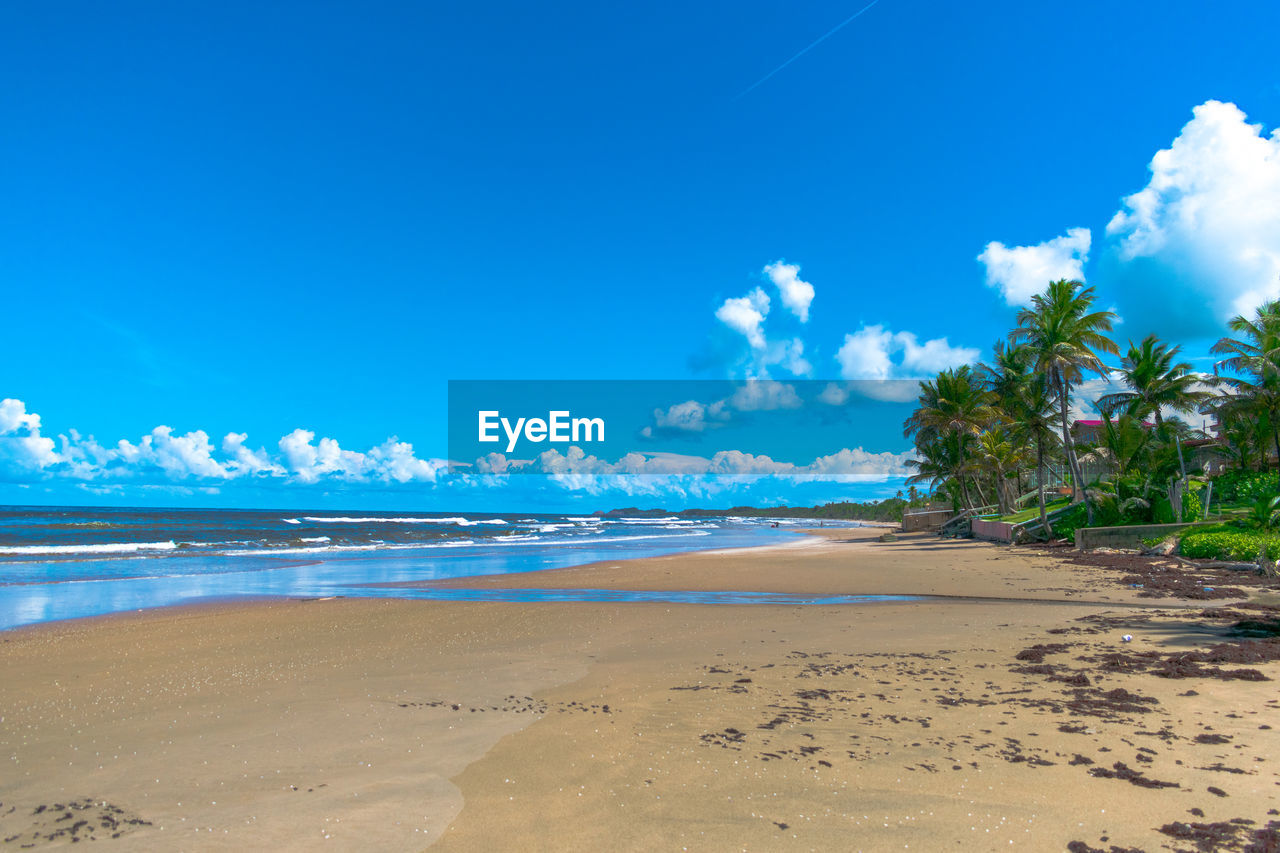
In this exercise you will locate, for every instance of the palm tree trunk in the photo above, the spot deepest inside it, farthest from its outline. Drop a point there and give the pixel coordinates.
(1044, 519)
(964, 489)
(977, 487)
(1275, 435)
(1077, 477)
(1068, 446)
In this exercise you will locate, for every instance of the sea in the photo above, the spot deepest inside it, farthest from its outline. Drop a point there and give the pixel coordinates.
(73, 562)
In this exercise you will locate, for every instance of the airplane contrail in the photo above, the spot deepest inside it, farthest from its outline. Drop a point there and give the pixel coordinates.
(828, 34)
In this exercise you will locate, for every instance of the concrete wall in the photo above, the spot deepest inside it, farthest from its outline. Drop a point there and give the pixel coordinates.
(996, 531)
(1126, 537)
(926, 520)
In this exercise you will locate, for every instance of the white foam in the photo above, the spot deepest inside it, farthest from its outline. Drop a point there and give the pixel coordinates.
(110, 548)
(344, 519)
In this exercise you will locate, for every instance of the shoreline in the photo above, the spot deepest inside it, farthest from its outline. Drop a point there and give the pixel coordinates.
(287, 563)
(641, 725)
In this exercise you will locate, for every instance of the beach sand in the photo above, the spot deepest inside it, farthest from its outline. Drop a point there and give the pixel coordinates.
(969, 723)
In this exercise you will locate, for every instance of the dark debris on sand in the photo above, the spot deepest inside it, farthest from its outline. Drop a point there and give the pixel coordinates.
(1237, 834)
(85, 819)
(1162, 577)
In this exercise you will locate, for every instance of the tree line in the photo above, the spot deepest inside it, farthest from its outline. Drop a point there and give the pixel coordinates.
(989, 434)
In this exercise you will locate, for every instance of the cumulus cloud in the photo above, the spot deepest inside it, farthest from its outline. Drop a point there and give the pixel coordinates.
(854, 465)
(745, 315)
(178, 456)
(1207, 224)
(691, 416)
(244, 460)
(164, 458)
(1020, 272)
(874, 352)
(796, 294)
(694, 416)
(764, 396)
(22, 448)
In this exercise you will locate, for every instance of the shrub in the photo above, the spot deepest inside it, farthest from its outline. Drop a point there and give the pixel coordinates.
(1106, 509)
(1064, 526)
(1135, 511)
(1245, 486)
(1226, 542)
(1130, 486)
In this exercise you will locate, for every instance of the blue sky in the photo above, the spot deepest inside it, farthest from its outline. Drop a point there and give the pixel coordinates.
(257, 219)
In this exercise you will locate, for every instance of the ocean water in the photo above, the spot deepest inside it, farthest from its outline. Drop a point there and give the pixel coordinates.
(66, 563)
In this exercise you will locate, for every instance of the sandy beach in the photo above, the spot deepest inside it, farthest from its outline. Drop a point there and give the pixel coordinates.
(1008, 716)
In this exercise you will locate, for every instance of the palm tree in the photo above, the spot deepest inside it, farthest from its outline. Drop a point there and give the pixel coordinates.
(939, 463)
(1002, 455)
(952, 405)
(1032, 411)
(1254, 358)
(1155, 381)
(1065, 336)
(1123, 442)
(1026, 401)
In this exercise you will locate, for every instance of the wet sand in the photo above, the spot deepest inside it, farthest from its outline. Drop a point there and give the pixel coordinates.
(398, 725)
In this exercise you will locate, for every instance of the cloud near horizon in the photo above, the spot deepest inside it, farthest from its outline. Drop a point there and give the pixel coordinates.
(847, 465)
(163, 457)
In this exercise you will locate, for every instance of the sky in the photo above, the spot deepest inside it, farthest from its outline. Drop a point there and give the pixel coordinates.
(246, 246)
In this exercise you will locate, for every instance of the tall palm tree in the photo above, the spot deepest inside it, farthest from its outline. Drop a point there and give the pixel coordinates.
(1155, 382)
(1031, 408)
(1002, 456)
(1023, 396)
(953, 404)
(939, 463)
(1123, 442)
(1065, 336)
(1253, 359)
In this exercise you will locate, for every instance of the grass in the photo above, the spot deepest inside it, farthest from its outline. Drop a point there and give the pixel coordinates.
(1033, 511)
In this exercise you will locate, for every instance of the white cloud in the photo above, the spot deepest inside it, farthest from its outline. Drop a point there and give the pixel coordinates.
(787, 354)
(745, 315)
(1207, 223)
(694, 416)
(835, 394)
(764, 396)
(179, 456)
(15, 418)
(245, 460)
(689, 416)
(394, 460)
(869, 354)
(932, 356)
(796, 294)
(22, 449)
(1020, 272)
(865, 354)
(163, 458)
(310, 462)
(846, 465)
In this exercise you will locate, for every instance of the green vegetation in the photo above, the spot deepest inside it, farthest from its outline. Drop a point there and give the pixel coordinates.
(1028, 514)
(1066, 526)
(985, 435)
(1229, 542)
(1243, 487)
